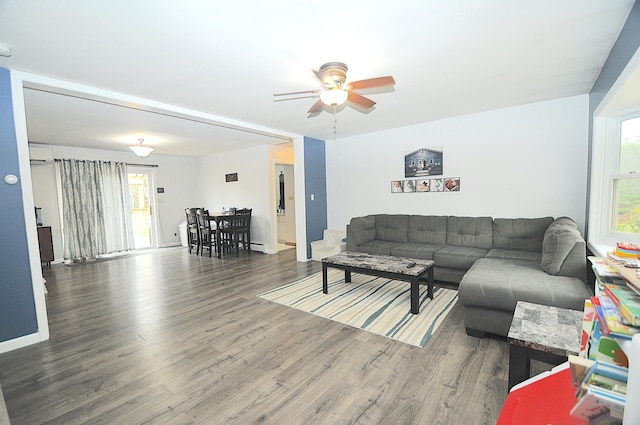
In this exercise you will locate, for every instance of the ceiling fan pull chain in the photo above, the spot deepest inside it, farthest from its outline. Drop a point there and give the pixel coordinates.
(335, 119)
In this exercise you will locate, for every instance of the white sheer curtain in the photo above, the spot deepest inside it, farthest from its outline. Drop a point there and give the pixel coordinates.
(96, 216)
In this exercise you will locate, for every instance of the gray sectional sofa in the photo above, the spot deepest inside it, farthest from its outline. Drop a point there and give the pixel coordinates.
(494, 262)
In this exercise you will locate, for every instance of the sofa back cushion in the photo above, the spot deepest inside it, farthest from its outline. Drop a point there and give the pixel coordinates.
(474, 232)
(520, 234)
(563, 250)
(362, 230)
(392, 227)
(429, 229)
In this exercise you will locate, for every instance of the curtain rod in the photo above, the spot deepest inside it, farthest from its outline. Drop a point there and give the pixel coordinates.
(128, 163)
(144, 165)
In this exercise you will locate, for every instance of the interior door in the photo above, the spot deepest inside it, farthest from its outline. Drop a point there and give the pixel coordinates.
(141, 192)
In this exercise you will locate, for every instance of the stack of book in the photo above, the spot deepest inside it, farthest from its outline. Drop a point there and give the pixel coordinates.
(601, 391)
(610, 317)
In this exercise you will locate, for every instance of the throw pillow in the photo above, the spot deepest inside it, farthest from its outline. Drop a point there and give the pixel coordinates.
(559, 240)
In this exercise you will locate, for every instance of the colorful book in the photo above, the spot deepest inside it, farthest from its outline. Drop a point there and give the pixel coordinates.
(605, 273)
(605, 418)
(579, 368)
(627, 300)
(610, 370)
(605, 348)
(602, 392)
(611, 321)
(587, 327)
(597, 401)
(606, 376)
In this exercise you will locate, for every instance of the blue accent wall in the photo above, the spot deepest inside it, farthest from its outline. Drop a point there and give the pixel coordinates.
(315, 183)
(621, 53)
(17, 306)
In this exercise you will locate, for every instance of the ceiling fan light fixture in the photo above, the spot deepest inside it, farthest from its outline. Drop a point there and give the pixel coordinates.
(334, 97)
(141, 150)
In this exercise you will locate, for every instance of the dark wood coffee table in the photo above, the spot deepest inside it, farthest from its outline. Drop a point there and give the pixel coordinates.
(382, 266)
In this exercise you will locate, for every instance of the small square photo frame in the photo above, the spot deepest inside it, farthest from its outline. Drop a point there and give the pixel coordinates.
(409, 186)
(437, 185)
(397, 186)
(423, 185)
(452, 184)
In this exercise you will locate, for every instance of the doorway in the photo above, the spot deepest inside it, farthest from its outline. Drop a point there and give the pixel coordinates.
(286, 206)
(141, 190)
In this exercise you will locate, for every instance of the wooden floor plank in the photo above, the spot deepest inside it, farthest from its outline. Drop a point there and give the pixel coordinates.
(166, 337)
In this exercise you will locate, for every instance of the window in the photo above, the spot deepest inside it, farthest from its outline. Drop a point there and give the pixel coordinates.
(626, 183)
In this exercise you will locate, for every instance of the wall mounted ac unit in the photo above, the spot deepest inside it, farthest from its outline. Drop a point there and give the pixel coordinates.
(40, 156)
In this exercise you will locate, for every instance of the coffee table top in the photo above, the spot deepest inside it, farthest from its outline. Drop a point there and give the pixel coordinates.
(376, 262)
(546, 328)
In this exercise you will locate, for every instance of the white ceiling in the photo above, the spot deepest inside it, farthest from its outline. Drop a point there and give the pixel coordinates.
(226, 59)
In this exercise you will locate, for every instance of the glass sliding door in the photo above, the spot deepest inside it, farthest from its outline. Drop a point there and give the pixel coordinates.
(141, 190)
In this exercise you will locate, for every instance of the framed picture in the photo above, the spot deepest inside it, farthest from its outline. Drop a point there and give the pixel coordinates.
(437, 185)
(423, 162)
(233, 177)
(423, 186)
(396, 186)
(452, 184)
(409, 186)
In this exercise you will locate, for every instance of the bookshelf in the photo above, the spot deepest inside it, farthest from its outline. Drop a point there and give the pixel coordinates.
(632, 350)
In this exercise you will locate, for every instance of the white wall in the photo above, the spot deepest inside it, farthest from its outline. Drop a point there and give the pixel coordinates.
(252, 190)
(525, 161)
(175, 174)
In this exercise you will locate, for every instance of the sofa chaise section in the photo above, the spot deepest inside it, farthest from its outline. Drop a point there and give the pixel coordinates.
(541, 261)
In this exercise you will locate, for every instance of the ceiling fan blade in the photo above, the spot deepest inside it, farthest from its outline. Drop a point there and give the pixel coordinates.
(296, 92)
(371, 83)
(360, 101)
(317, 107)
(294, 98)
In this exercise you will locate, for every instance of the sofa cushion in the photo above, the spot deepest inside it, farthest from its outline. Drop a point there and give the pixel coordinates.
(422, 251)
(474, 232)
(559, 241)
(363, 229)
(458, 257)
(499, 284)
(377, 247)
(392, 228)
(521, 234)
(514, 255)
(429, 229)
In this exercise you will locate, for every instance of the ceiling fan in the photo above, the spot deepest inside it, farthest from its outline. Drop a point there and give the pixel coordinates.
(335, 91)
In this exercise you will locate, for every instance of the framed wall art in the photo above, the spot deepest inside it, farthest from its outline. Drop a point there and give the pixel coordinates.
(423, 162)
(452, 184)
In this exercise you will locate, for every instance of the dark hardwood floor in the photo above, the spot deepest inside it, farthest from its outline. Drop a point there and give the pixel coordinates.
(165, 337)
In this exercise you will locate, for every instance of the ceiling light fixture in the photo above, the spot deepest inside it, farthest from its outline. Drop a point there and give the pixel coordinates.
(334, 97)
(141, 150)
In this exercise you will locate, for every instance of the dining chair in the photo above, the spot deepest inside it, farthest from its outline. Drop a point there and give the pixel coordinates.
(207, 234)
(193, 232)
(239, 230)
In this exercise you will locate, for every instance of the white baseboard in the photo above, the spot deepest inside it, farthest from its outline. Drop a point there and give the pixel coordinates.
(23, 341)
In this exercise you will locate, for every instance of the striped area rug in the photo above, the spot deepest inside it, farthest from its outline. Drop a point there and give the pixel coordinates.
(374, 304)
